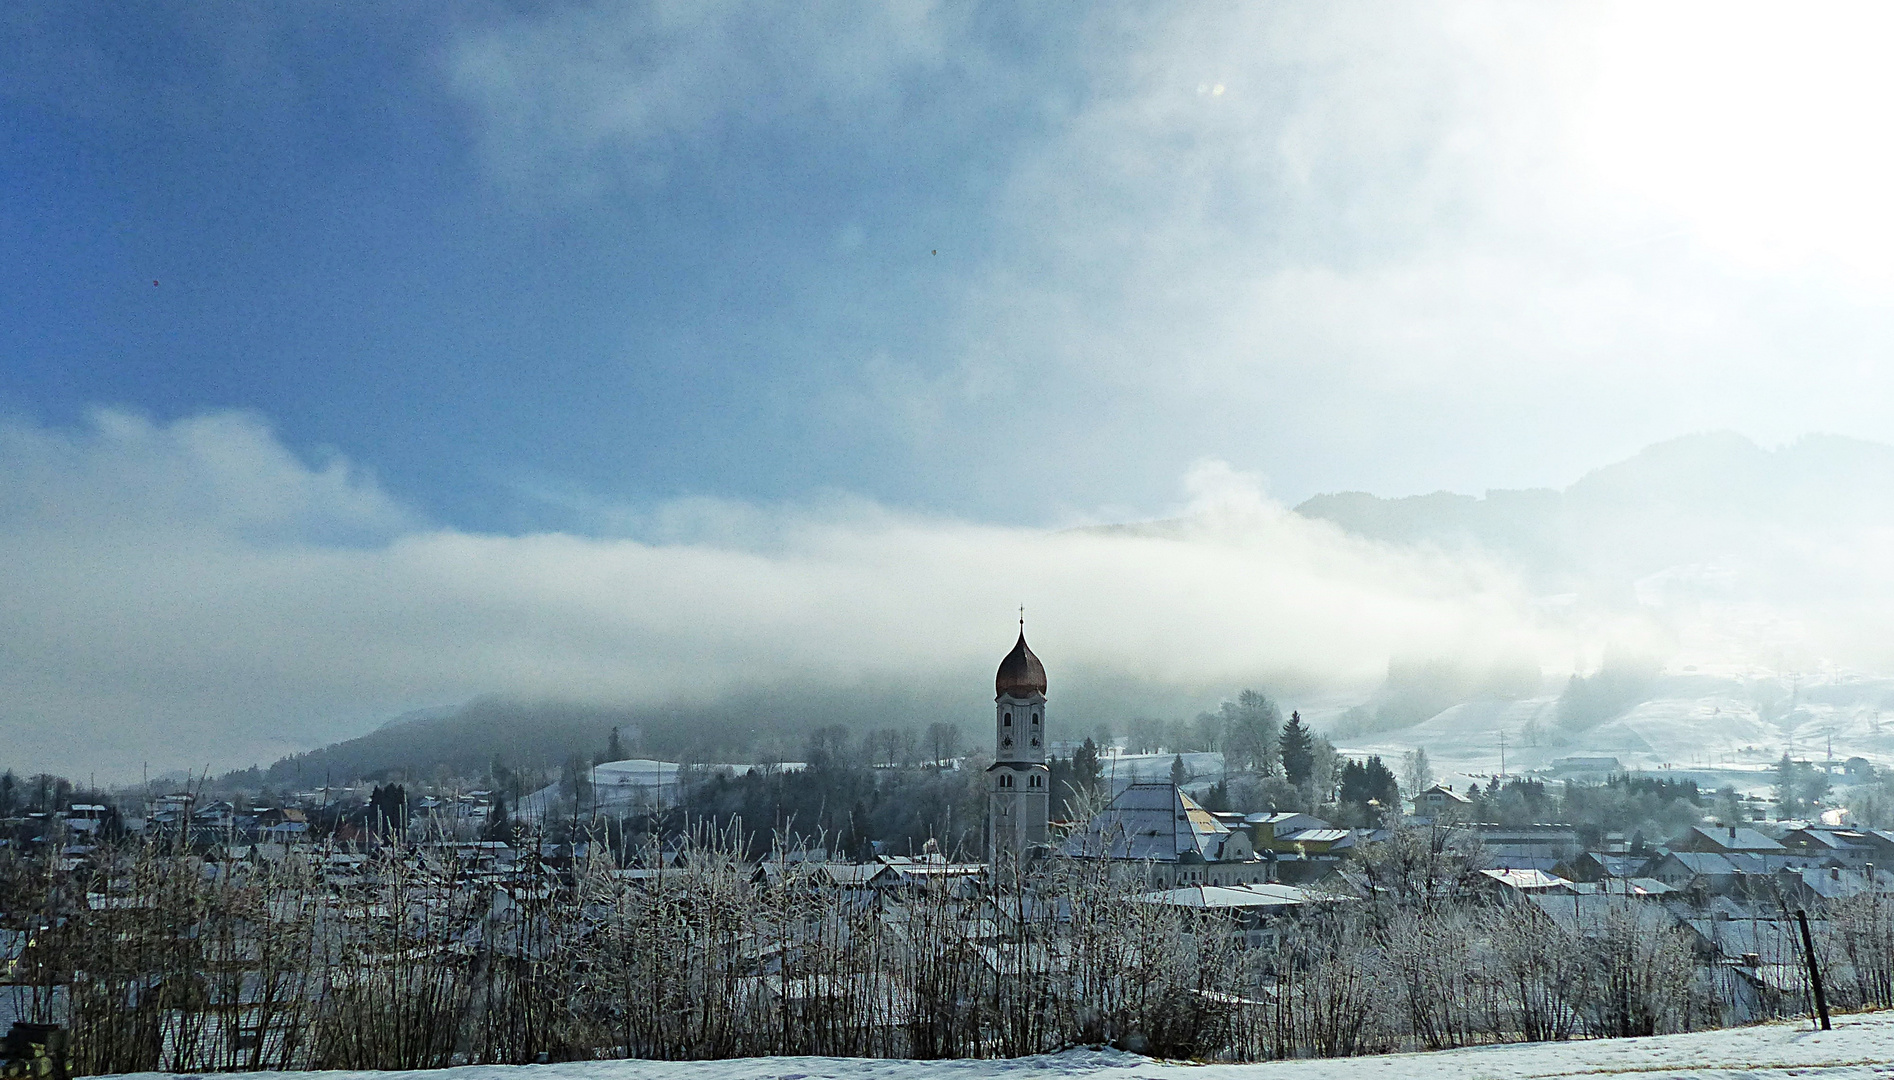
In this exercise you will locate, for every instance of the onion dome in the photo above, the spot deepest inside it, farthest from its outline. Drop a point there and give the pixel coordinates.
(1021, 675)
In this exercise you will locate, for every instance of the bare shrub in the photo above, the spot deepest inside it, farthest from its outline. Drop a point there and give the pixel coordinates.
(161, 959)
(1637, 974)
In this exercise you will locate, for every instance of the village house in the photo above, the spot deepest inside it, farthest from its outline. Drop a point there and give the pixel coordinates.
(1521, 882)
(1602, 866)
(1251, 911)
(1160, 825)
(1809, 886)
(1727, 840)
(1818, 846)
(1705, 873)
(1441, 803)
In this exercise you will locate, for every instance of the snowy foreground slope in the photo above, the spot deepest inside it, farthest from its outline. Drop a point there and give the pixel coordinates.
(1860, 1046)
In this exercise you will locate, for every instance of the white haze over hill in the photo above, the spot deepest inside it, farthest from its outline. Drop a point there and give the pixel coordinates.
(195, 593)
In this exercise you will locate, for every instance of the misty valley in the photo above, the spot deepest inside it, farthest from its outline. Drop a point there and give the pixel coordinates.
(902, 540)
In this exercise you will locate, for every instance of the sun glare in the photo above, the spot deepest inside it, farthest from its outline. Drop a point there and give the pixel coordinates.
(1764, 129)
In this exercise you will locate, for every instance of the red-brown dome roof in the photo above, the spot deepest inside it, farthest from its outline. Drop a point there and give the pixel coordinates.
(1021, 675)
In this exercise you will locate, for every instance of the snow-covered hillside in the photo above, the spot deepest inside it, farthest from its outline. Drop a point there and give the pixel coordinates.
(1860, 1046)
(1714, 729)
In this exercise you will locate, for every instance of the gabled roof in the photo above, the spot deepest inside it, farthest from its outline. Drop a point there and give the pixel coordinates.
(854, 875)
(1315, 836)
(1226, 897)
(1707, 863)
(1592, 914)
(1832, 882)
(1150, 821)
(1525, 880)
(1831, 840)
(1635, 886)
(1617, 866)
(1725, 838)
(1286, 821)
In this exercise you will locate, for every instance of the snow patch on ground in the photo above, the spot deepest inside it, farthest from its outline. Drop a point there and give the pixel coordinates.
(1860, 1046)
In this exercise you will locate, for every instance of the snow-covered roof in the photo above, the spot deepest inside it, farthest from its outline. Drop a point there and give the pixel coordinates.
(853, 875)
(1235, 896)
(1704, 862)
(1286, 821)
(1525, 880)
(1833, 882)
(1315, 836)
(1831, 839)
(1150, 821)
(1727, 838)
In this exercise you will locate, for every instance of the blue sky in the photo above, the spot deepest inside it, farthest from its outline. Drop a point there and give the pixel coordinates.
(547, 265)
(706, 292)
(335, 249)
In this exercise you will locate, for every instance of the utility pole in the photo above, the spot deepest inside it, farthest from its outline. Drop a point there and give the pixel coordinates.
(1502, 753)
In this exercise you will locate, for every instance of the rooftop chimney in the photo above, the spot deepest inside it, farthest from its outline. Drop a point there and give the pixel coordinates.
(1732, 832)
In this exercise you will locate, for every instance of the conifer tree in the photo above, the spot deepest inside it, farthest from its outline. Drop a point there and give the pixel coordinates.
(1298, 750)
(1086, 772)
(499, 822)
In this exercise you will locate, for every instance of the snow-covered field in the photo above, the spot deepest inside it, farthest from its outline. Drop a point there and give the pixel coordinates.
(1714, 736)
(1860, 1046)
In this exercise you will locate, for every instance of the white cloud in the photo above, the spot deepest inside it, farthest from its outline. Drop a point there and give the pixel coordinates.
(178, 595)
(1754, 129)
(581, 97)
(1556, 233)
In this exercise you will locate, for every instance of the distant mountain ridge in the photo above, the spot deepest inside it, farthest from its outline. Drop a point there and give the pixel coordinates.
(1680, 501)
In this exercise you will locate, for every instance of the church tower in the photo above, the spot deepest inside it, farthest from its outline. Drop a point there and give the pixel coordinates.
(1018, 783)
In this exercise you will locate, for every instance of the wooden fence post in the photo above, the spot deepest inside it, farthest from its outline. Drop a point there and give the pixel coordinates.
(1815, 972)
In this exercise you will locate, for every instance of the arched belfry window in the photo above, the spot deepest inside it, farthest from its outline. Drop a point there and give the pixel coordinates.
(1009, 719)
(1035, 719)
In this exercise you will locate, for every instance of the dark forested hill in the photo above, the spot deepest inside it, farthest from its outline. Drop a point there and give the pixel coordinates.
(738, 727)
